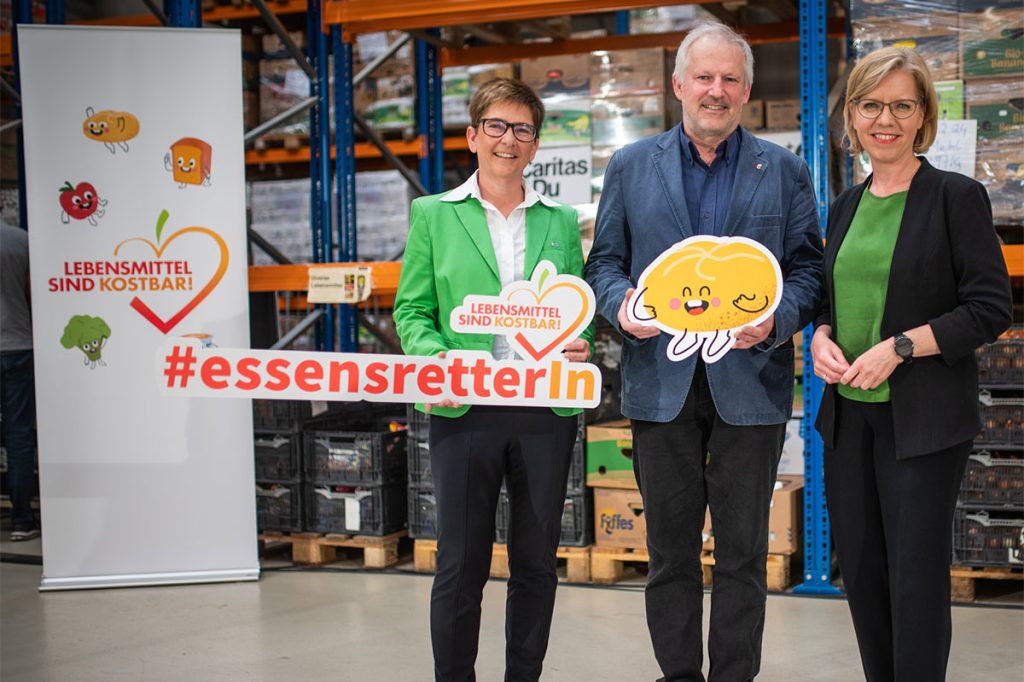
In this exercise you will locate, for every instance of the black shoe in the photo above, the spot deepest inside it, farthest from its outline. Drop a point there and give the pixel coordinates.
(22, 534)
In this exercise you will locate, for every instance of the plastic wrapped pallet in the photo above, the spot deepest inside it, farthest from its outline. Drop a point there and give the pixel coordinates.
(280, 213)
(382, 214)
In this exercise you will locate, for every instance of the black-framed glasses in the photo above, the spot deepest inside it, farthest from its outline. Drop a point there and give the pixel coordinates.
(900, 108)
(496, 127)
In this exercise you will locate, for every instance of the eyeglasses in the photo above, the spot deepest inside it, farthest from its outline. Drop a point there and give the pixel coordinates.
(496, 127)
(901, 108)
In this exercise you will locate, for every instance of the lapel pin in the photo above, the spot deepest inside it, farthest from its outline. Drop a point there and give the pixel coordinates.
(555, 245)
(758, 166)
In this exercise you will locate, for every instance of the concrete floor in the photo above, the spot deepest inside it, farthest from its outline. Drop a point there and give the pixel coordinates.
(346, 625)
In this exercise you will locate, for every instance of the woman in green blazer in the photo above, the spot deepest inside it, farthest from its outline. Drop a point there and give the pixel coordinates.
(475, 239)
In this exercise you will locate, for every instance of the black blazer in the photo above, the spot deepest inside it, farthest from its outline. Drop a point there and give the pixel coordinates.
(947, 271)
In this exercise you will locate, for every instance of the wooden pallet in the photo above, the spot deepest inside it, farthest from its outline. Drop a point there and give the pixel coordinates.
(613, 564)
(964, 579)
(577, 560)
(276, 140)
(317, 549)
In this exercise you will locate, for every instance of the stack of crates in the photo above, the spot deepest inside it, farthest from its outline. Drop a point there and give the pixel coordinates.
(988, 526)
(422, 502)
(355, 472)
(278, 446)
(577, 526)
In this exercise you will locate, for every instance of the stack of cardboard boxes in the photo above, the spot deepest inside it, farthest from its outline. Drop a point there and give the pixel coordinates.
(975, 50)
(619, 519)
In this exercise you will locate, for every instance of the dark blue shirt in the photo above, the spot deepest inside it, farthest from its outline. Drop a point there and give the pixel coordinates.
(708, 189)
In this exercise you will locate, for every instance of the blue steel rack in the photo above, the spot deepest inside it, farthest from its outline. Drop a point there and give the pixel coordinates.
(814, 130)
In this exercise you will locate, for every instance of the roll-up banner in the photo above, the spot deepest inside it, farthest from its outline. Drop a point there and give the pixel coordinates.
(136, 217)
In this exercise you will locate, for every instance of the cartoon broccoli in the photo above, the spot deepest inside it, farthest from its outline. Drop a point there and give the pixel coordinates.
(89, 335)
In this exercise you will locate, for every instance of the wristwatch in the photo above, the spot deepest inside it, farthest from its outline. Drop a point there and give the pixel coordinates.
(904, 348)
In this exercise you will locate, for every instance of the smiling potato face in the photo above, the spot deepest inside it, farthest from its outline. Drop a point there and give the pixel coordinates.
(110, 126)
(707, 284)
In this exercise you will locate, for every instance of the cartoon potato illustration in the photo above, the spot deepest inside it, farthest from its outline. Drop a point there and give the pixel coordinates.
(189, 160)
(89, 335)
(703, 287)
(110, 127)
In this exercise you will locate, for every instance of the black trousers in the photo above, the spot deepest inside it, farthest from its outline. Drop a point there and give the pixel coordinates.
(892, 522)
(469, 456)
(694, 462)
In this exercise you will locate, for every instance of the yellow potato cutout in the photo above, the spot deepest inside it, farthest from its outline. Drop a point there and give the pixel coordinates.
(702, 288)
(110, 128)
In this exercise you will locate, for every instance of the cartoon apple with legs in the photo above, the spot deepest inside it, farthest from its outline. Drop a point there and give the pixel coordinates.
(80, 202)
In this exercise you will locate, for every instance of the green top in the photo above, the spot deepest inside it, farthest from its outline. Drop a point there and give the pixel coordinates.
(861, 280)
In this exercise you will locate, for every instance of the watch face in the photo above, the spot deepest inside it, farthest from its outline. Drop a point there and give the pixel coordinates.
(904, 347)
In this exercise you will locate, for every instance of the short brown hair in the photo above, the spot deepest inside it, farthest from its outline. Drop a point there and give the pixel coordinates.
(870, 71)
(506, 90)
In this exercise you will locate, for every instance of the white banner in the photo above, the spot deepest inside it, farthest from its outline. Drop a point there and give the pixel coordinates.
(136, 209)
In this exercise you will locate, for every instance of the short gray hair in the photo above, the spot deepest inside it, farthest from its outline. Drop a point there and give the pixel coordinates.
(715, 31)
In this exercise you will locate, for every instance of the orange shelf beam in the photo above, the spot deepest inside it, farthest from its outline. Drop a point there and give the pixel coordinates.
(244, 10)
(1014, 256)
(264, 278)
(364, 16)
(757, 34)
(363, 150)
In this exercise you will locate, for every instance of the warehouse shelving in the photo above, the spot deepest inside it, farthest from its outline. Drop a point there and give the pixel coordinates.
(332, 25)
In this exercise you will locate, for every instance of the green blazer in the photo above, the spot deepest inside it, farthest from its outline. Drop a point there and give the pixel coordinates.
(449, 255)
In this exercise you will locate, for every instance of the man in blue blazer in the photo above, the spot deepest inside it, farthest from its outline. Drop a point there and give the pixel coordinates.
(707, 435)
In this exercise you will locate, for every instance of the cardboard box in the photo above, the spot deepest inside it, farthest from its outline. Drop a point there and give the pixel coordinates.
(566, 123)
(752, 117)
(483, 73)
(610, 455)
(993, 44)
(785, 519)
(782, 114)
(618, 73)
(565, 76)
(619, 519)
(997, 105)
(951, 100)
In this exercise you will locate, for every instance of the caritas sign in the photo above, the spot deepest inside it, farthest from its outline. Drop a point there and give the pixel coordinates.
(561, 173)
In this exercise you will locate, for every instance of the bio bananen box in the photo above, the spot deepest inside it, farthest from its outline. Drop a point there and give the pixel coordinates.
(610, 455)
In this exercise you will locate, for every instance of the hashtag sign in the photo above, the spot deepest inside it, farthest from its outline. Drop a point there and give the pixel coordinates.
(179, 366)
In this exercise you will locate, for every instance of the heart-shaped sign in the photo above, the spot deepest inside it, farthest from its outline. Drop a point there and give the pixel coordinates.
(538, 317)
(140, 306)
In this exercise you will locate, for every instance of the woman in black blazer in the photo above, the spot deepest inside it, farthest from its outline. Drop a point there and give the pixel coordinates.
(915, 282)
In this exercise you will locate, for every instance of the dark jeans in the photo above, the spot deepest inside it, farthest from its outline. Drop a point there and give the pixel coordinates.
(469, 456)
(18, 421)
(892, 523)
(683, 466)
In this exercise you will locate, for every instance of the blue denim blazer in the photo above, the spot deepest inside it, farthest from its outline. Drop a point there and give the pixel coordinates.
(643, 212)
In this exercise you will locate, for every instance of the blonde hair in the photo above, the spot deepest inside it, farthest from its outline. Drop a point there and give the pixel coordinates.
(869, 73)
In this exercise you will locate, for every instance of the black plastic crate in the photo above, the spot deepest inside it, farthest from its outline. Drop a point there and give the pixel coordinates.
(577, 481)
(419, 424)
(277, 456)
(982, 538)
(1002, 421)
(1002, 362)
(357, 456)
(419, 463)
(279, 415)
(278, 506)
(577, 520)
(993, 481)
(356, 511)
(422, 513)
